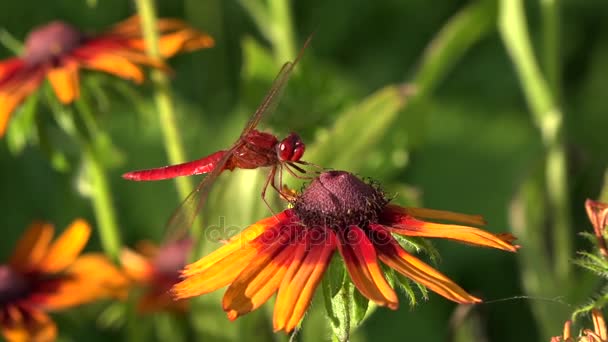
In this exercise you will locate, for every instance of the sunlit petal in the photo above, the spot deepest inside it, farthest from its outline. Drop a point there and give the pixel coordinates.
(240, 241)
(65, 81)
(67, 247)
(302, 278)
(115, 65)
(135, 265)
(397, 258)
(410, 226)
(89, 278)
(14, 92)
(394, 212)
(223, 266)
(259, 281)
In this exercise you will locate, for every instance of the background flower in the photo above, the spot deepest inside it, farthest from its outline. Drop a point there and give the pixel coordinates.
(467, 142)
(58, 50)
(42, 276)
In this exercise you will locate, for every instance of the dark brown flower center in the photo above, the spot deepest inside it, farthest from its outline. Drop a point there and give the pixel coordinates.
(338, 199)
(171, 258)
(13, 285)
(48, 43)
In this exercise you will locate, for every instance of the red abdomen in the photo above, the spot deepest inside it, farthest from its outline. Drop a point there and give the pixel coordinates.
(195, 167)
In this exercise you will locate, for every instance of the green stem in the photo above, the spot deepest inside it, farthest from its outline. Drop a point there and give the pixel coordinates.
(541, 96)
(551, 36)
(101, 194)
(604, 192)
(282, 30)
(162, 96)
(467, 27)
(549, 119)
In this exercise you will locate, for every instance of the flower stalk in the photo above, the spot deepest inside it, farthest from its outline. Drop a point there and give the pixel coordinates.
(162, 96)
(101, 193)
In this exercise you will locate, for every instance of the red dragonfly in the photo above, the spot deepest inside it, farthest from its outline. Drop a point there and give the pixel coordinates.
(251, 150)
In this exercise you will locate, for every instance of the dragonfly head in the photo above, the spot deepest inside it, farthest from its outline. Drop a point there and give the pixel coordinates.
(291, 148)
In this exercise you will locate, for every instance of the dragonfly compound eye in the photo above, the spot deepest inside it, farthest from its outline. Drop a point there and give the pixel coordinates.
(291, 148)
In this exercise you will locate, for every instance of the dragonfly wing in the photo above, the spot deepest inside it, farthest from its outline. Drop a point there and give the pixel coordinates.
(271, 100)
(183, 217)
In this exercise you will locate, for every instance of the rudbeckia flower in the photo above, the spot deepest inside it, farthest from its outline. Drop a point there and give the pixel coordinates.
(42, 276)
(598, 334)
(58, 50)
(156, 270)
(288, 253)
(598, 215)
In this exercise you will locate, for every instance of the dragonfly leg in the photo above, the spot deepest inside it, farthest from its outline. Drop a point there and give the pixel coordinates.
(318, 167)
(269, 180)
(299, 169)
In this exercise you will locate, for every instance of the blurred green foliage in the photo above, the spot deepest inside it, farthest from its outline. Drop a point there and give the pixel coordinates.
(465, 142)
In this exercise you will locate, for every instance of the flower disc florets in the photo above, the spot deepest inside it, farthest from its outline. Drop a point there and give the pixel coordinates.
(12, 284)
(51, 41)
(337, 199)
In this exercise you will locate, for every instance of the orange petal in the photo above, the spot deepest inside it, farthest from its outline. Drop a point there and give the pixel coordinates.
(258, 282)
(598, 215)
(395, 212)
(216, 276)
(115, 65)
(183, 41)
(395, 257)
(91, 277)
(129, 26)
(65, 82)
(301, 280)
(360, 259)
(135, 265)
(599, 324)
(226, 268)
(241, 241)
(143, 59)
(132, 26)
(147, 249)
(67, 247)
(410, 226)
(170, 44)
(157, 301)
(34, 326)
(13, 92)
(32, 247)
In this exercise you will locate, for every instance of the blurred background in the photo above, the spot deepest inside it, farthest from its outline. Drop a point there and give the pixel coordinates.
(475, 138)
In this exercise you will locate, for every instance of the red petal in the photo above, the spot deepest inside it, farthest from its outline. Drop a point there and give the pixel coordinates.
(360, 259)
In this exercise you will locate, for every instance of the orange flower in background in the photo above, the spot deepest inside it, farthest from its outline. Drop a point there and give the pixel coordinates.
(598, 334)
(44, 276)
(598, 215)
(156, 269)
(58, 50)
(288, 253)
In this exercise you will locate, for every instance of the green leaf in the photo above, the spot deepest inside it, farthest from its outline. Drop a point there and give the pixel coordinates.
(462, 31)
(22, 127)
(346, 307)
(258, 63)
(358, 129)
(419, 245)
(111, 155)
(360, 307)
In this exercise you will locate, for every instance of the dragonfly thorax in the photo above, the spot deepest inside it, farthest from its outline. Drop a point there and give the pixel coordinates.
(291, 148)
